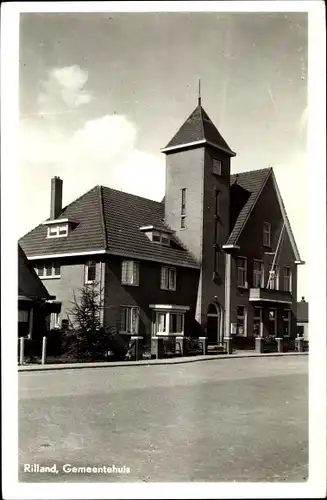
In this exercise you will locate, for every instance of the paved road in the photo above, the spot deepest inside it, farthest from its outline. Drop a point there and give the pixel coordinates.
(219, 420)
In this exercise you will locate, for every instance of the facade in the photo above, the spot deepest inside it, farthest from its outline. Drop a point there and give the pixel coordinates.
(303, 319)
(34, 301)
(215, 258)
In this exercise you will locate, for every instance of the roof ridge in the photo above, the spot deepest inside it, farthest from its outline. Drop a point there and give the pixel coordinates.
(103, 224)
(131, 194)
(202, 118)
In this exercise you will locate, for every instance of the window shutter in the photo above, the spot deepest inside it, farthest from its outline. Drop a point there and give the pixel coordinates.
(123, 319)
(124, 270)
(164, 276)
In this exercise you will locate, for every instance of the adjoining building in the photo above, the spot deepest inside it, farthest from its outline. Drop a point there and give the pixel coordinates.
(217, 257)
(303, 319)
(35, 304)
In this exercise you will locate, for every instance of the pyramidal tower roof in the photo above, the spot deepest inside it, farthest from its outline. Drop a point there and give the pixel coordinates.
(198, 129)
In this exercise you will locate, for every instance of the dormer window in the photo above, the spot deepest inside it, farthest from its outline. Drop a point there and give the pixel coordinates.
(216, 166)
(157, 235)
(58, 231)
(59, 228)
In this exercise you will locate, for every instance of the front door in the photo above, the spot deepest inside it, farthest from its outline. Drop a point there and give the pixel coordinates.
(213, 321)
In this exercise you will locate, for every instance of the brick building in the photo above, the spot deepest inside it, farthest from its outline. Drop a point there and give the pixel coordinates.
(215, 258)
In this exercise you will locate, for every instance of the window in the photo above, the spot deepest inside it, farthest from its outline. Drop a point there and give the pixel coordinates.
(274, 278)
(287, 279)
(257, 322)
(130, 273)
(48, 270)
(129, 320)
(55, 320)
(286, 322)
(169, 323)
(267, 234)
(183, 208)
(183, 201)
(216, 166)
(57, 231)
(258, 274)
(217, 199)
(90, 272)
(159, 237)
(241, 321)
(168, 278)
(241, 271)
(272, 322)
(23, 316)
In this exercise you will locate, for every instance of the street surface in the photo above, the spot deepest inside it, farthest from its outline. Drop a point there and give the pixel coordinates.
(218, 420)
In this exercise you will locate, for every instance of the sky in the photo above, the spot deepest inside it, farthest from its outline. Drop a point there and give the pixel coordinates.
(102, 93)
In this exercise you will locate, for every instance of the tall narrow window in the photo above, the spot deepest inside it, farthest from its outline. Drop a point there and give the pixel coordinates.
(267, 234)
(286, 322)
(241, 271)
(287, 279)
(258, 274)
(183, 207)
(272, 321)
(90, 272)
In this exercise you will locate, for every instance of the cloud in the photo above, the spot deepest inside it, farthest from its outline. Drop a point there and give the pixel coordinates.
(103, 151)
(63, 89)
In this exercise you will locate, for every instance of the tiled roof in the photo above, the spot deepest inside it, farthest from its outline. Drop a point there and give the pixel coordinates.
(199, 127)
(302, 312)
(29, 284)
(110, 220)
(253, 182)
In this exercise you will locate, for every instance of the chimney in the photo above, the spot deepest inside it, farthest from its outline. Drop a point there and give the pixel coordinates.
(56, 198)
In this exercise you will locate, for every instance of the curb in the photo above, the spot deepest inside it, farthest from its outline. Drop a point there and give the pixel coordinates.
(152, 362)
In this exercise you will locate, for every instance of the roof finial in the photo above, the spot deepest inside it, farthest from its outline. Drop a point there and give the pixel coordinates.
(199, 97)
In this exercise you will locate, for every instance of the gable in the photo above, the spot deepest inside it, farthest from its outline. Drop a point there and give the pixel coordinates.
(264, 199)
(29, 284)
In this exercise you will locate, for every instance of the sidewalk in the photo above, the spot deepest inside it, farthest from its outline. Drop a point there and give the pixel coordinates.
(145, 362)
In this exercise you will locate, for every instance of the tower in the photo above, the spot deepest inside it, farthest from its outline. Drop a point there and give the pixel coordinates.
(197, 201)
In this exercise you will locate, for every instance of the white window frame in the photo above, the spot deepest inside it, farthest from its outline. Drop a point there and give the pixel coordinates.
(275, 320)
(44, 265)
(86, 272)
(242, 269)
(274, 282)
(288, 321)
(167, 322)
(132, 267)
(259, 317)
(162, 238)
(54, 231)
(288, 287)
(165, 281)
(257, 273)
(244, 318)
(132, 320)
(216, 166)
(267, 234)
